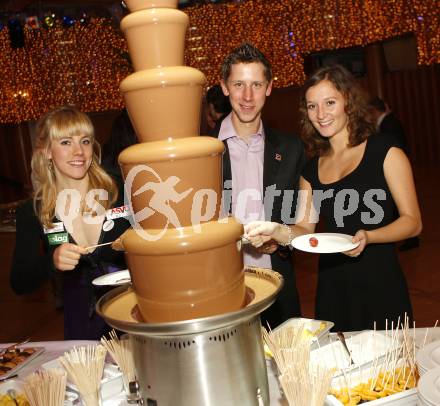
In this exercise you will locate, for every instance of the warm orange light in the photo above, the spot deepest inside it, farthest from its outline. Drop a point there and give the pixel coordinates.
(84, 64)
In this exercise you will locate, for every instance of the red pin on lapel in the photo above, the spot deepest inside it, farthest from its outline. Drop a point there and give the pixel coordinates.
(278, 157)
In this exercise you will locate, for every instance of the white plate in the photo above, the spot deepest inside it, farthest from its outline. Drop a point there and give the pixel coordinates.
(15, 384)
(113, 279)
(434, 354)
(327, 243)
(429, 356)
(429, 386)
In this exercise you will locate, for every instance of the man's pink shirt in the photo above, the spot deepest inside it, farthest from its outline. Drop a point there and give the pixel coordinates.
(247, 162)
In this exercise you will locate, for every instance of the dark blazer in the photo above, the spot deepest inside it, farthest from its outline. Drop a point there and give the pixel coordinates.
(283, 162)
(32, 265)
(392, 128)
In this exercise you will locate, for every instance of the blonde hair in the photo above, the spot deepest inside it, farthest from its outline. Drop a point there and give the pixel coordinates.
(66, 121)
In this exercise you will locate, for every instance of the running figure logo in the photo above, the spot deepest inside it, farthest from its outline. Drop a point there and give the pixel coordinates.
(164, 192)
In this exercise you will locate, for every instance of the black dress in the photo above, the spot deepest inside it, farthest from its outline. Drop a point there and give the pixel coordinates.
(32, 265)
(356, 292)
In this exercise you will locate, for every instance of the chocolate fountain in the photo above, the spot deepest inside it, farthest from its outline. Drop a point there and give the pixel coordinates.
(192, 311)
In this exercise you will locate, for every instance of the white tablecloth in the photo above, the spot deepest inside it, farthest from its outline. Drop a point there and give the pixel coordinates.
(54, 349)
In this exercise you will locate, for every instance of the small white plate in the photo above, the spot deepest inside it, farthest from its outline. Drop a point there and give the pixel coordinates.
(429, 386)
(113, 279)
(15, 384)
(327, 243)
(429, 356)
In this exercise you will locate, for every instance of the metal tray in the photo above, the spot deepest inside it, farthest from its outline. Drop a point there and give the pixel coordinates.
(29, 358)
(364, 347)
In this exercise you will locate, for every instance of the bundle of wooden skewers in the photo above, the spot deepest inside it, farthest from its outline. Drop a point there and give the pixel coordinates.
(83, 367)
(302, 382)
(122, 353)
(46, 387)
(389, 373)
(307, 381)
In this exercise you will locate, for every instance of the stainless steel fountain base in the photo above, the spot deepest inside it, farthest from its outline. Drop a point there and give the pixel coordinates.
(211, 361)
(218, 368)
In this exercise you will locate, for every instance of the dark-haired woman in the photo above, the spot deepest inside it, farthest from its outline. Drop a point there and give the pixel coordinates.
(354, 182)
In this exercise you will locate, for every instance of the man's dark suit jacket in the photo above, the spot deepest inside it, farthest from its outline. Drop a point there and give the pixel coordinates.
(283, 162)
(392, 128)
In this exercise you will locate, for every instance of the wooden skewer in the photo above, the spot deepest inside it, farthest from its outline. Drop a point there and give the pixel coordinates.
(103, 244)
(245, 240)
(98, 245)
(427, 332)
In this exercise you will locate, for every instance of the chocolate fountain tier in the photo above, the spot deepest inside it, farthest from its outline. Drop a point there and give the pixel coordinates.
(120, 310)
(192, 312)
(155, 37)
(197, 162)
(164, 102)
(188, 272)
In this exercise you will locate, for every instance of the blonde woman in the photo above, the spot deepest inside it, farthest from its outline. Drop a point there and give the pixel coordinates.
(357, 180)
(71, 209)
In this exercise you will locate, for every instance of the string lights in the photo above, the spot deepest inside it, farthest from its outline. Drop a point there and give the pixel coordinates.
(83, 63)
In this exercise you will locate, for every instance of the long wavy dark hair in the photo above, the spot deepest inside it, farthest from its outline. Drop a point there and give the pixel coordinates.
(360, 124)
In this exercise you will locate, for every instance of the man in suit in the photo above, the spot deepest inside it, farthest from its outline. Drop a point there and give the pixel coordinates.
(389, 126)
(217, 108)
(260, 164)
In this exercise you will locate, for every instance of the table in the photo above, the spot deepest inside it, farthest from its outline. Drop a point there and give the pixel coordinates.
(54, 349)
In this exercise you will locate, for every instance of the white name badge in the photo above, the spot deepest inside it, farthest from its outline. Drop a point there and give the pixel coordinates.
(108, 225)
(116, 212)
(57, 227)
